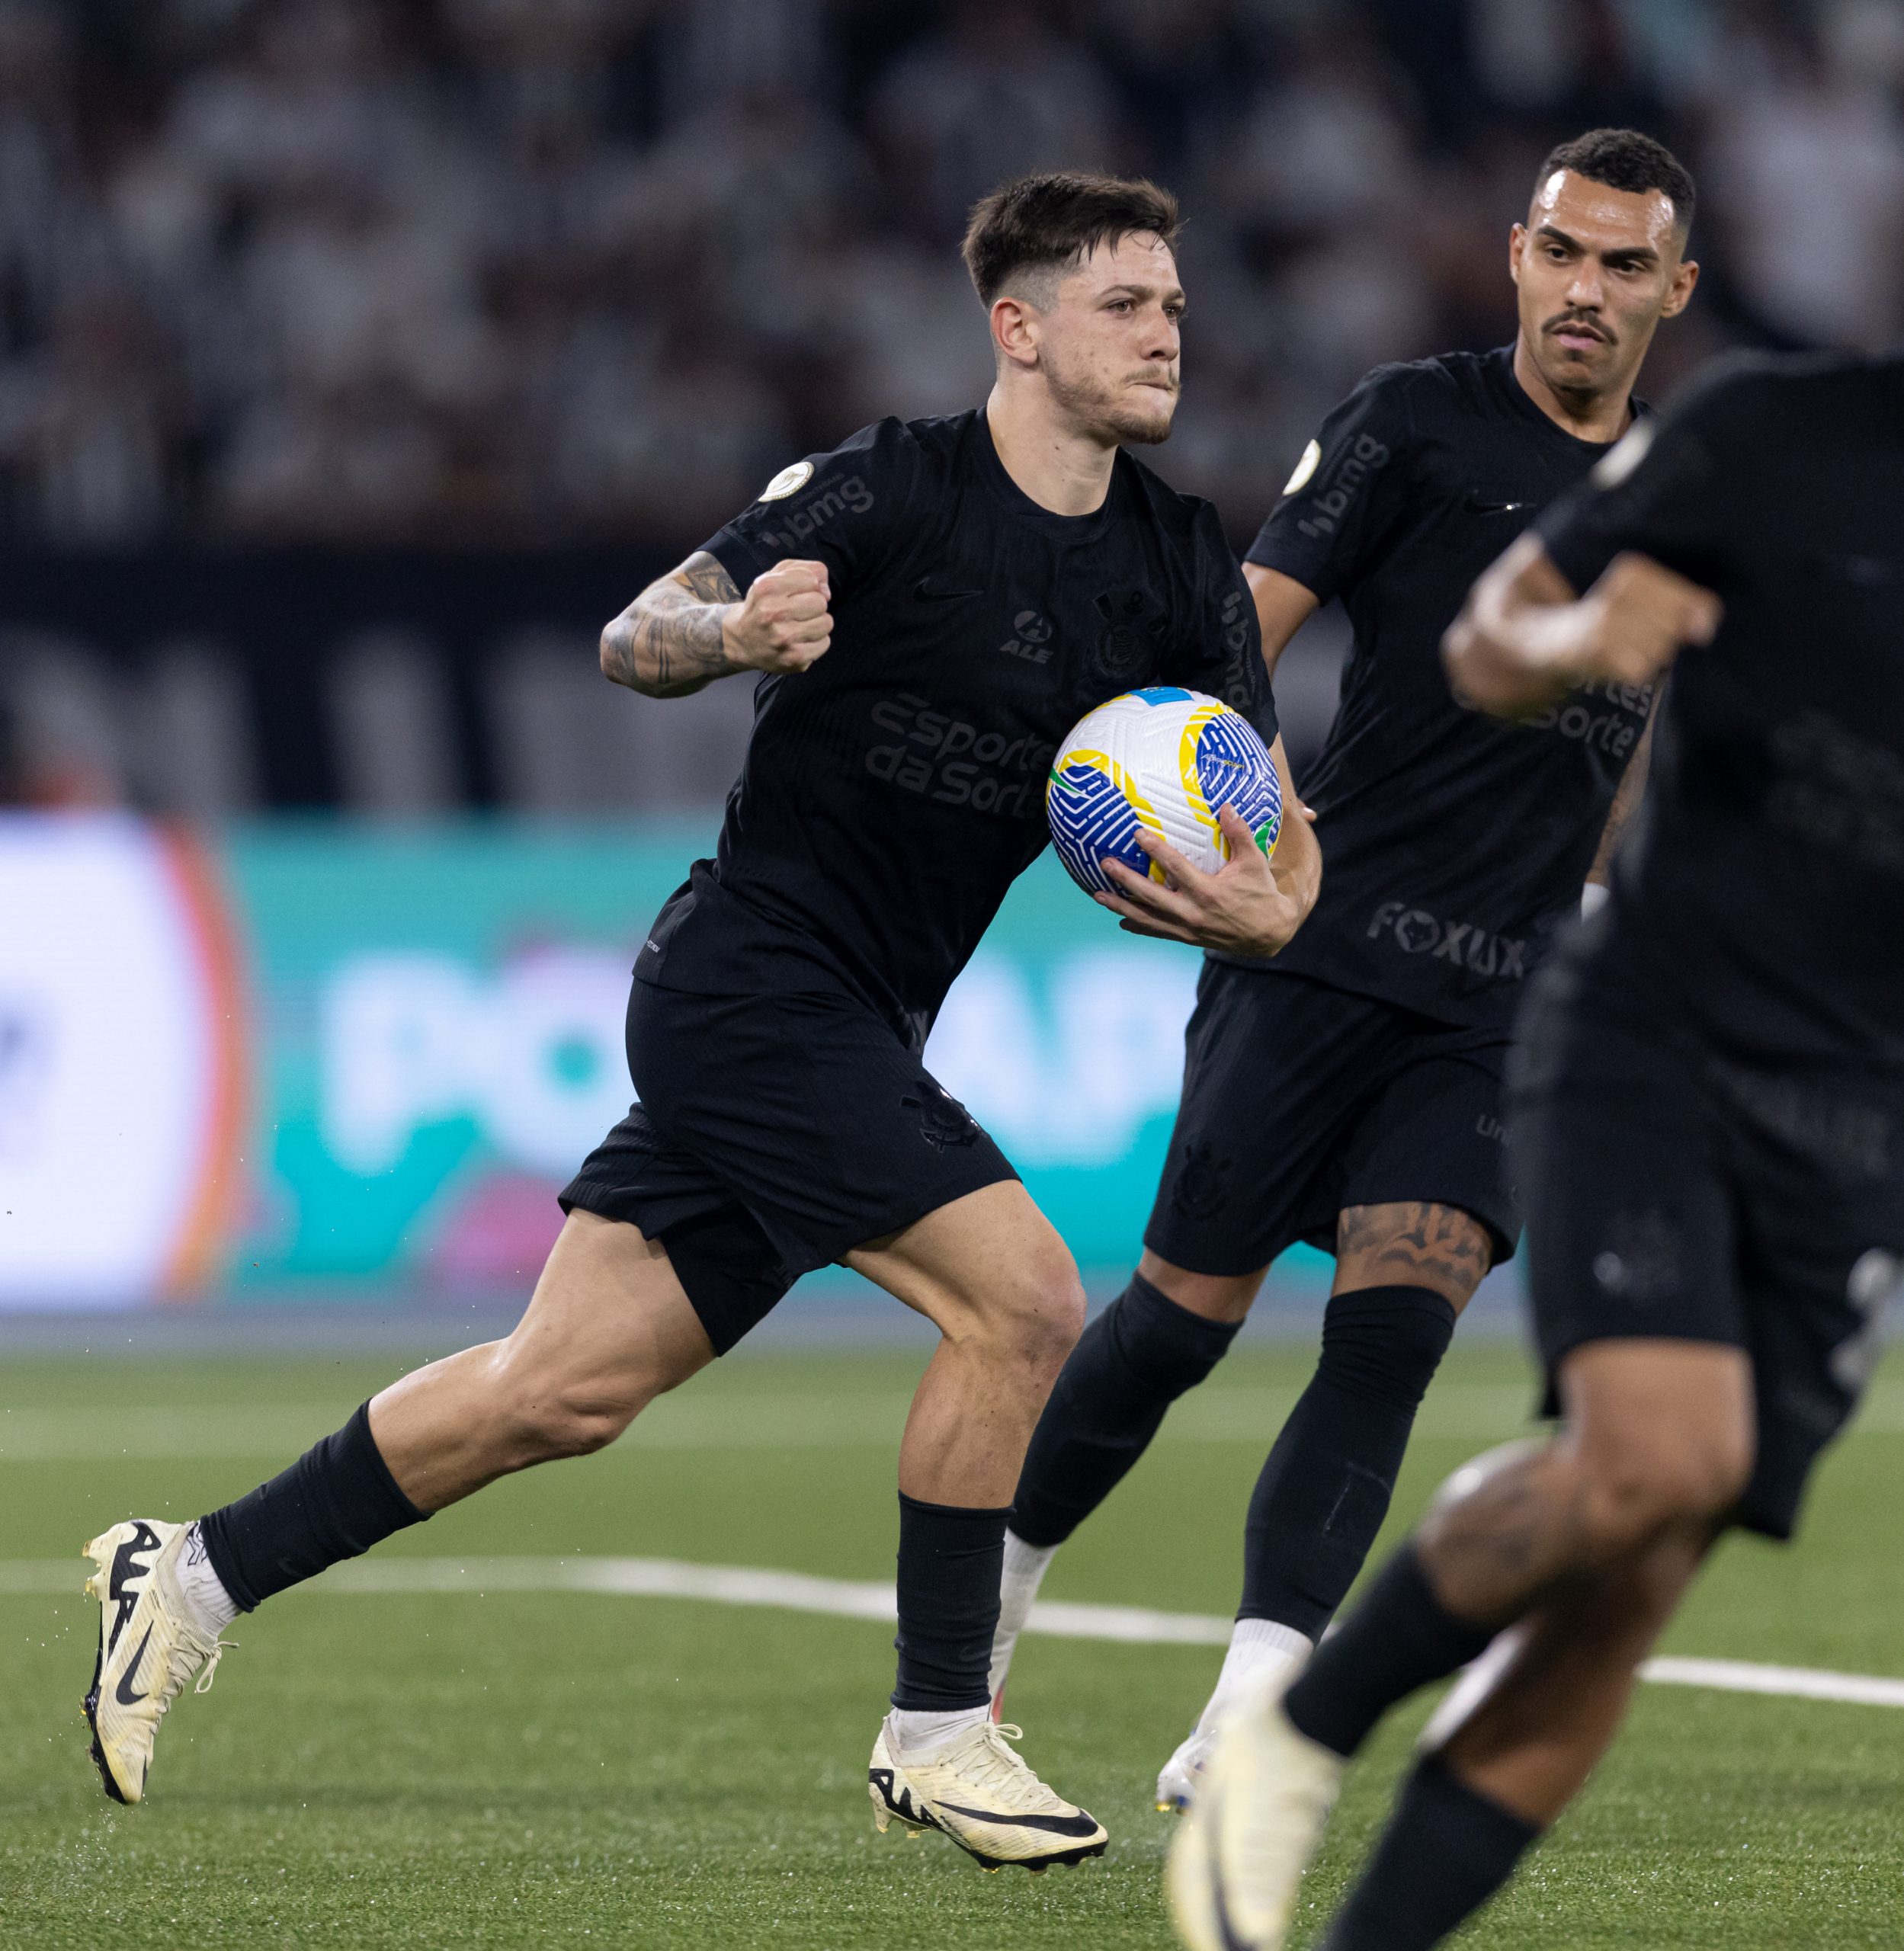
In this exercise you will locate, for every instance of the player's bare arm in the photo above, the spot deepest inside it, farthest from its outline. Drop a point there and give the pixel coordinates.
(1253, 906)
(1626, 802)
(692, 626)
(1524, 638)
(1283, 606)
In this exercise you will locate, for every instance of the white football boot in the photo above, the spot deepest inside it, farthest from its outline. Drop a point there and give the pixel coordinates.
(149, 1645)
(1237, 1857)
(1178, 1782)
(978, 1789)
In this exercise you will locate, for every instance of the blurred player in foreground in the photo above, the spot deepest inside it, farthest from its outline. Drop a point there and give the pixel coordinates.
(1351, 1094)
(933, 605)
(1709, 1108)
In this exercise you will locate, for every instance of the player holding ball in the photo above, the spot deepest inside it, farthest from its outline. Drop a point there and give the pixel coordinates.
(1351, 1094)
(930, 609)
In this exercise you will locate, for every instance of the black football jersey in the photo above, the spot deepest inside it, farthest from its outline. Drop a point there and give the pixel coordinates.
(1764, 893)
(1453, 844)
(891, 793)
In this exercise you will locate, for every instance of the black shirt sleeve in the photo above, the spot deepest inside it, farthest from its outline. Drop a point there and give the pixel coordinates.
(1348, 489)
(1222, 654)
(1665, 491)
(847, 509)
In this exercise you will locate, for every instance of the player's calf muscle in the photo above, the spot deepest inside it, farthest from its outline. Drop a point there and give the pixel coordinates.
(608, 1330)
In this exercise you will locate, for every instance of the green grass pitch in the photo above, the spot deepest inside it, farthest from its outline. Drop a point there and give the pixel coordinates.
(572, 1770)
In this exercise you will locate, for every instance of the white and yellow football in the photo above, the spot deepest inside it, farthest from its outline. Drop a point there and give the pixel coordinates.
(1163, 760)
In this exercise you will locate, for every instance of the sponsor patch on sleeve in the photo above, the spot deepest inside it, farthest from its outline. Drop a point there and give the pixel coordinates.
(787, 481)
(1312, 459)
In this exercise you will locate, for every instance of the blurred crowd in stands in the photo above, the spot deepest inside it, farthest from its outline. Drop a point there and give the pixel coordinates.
(498, 272)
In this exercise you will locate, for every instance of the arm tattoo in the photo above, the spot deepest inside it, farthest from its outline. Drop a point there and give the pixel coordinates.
(668, 640)
(1418, 1244)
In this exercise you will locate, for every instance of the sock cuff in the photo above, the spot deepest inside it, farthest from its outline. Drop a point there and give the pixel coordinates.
(1195, 1335)
(1400, 1637)
(979, 1514)
(1437, 1787)
(1384, 1343)
(1388, 1303)
(225, 1561)
(356, 1438)
(1256, 1632)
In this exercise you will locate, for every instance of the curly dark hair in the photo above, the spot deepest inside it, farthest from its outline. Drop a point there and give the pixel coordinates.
(1624, 159)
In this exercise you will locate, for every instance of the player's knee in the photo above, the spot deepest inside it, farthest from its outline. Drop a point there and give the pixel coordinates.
(1652, 1484)
(1040, 1319)
(576, 1421)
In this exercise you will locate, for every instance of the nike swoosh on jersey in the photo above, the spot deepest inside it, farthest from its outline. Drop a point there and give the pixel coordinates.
(1080, 1825)
(923, 592)
(120, 1693)
(1482, 505)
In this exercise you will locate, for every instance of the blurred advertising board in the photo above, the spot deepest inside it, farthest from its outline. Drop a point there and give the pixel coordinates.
(322, 1061)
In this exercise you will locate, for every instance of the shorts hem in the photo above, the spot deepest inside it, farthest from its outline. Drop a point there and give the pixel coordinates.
(909, 1212)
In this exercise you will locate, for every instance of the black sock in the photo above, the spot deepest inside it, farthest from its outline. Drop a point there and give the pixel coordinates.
(1447, 1849)
(949, 1563)
(1325, 1487)
(1130, 1365)
(336, 1501)
(1399, 1636)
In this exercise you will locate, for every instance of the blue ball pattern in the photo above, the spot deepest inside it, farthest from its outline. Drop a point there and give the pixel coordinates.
(1234, 767)
(1122, 771)
(1090, 817)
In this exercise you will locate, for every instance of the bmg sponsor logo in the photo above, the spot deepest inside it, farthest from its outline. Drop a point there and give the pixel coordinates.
(850, 496)
(1238, 691)
(1364, 457)
(954, 763)
(1414, 931)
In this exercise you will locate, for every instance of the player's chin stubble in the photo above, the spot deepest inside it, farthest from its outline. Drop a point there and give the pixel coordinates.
(1108, 414)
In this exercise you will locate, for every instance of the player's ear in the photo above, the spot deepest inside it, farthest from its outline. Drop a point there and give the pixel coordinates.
(1014, 330)
(1516, 237)
(1679, 296)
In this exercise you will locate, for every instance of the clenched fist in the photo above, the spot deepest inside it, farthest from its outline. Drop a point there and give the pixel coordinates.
(783, 624)
(1636, 616)
(1524, 639)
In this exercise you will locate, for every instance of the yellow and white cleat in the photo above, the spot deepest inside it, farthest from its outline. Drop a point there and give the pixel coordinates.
(977, 1789)
(149, 1646)
(1183, 1774)
(1260, 1805)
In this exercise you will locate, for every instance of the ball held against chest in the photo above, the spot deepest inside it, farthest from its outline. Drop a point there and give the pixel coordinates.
(1165, 759)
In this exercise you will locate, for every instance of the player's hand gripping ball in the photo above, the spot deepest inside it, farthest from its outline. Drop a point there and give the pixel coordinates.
(1165, 759)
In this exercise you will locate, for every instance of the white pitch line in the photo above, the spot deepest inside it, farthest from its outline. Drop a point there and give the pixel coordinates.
(1479, 1412)
(795, 1591)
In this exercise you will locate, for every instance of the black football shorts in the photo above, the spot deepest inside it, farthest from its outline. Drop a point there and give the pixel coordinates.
(1300, 1099)
(1678, 1189)
(774, 1133)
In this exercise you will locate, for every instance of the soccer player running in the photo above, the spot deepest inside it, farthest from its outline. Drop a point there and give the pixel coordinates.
(1350, 1094)
(933, 606)
(1708, 1100)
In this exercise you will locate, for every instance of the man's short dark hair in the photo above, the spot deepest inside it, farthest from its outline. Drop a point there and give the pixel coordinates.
(1044, 225)
(1624, 159)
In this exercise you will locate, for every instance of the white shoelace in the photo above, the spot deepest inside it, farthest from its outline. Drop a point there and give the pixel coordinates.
(219, 1648)
(1002, 1768)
